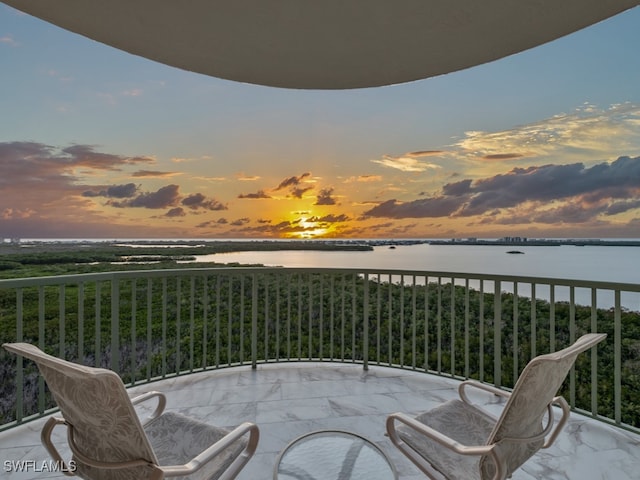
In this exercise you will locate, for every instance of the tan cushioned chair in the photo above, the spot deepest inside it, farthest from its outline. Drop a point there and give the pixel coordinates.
(108, 440)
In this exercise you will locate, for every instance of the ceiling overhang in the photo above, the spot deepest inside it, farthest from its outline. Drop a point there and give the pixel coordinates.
(323, 44)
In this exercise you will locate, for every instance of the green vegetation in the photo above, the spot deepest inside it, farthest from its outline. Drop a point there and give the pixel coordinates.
(45, 259)
(174, 322)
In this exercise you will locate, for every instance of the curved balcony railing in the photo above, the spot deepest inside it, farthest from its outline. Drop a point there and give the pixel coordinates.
(150, 325)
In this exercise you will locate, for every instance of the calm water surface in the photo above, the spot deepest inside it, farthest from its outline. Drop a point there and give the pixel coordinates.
(601, 263)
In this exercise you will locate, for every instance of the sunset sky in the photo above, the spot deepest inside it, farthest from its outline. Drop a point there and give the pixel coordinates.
(98, 143)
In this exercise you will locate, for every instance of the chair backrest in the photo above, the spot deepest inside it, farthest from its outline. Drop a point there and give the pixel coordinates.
(526, 408)
(95, 402)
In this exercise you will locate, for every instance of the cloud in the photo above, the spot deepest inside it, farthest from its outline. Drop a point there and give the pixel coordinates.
(292, 181)
(369, 178)
(364, 179)
(622, 206)
(11, 213)
(114, 191)
(154, 174)
(134, 92)
(210, 179)
(329, 218)
(575, 212)
(32, 163)
(176, 212)
(246, 178)
(503, 156)
(169, 196)
(458, 188)
(164, 197)
(428, 207)
(213, 223)
(601, 185)
(588, 134)
(281, 229)
(258, 194)
(298, 192)
(43, 192)
(8, 40)
(240, 222)
(325, 197)
(86, 156)
(380, 226)
(44, 178)
(112, 98)
(424, 153)
(198, 200)
(409, 161)
(620, 179)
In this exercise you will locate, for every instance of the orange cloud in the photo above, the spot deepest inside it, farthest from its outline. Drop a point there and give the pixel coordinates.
(503, 156)
(424, 153)
(406, 163)
(155, 174)
(246, 178)
(364, 178)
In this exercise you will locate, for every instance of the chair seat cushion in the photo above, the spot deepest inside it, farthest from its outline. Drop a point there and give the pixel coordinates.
(177, 439)
(459, 421)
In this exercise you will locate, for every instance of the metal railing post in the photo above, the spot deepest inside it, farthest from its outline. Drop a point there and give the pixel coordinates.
(254, 321)
(115, 325)
(497, 334)
(365, 326)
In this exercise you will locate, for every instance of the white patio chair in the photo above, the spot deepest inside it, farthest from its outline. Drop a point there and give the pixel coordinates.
(108, 440)
(458, 440)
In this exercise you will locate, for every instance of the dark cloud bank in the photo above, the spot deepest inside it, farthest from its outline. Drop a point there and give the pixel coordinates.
(606, 188)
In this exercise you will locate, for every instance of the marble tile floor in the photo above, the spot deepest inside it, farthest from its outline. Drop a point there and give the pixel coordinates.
(287, 400)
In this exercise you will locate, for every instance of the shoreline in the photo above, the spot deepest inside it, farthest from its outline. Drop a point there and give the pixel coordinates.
(540, 243)
(198, 247)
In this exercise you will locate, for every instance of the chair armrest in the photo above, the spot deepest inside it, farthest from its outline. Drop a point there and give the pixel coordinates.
(442, 439)
(549, 430)
(217, 448)
(162, 402)
(433, 434)
(562, 403)
(480, 386)
(45, 437)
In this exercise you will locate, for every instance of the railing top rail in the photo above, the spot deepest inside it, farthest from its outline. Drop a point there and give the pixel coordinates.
(206, 271)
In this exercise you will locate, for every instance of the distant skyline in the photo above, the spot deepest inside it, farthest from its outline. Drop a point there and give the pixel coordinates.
(98, 143)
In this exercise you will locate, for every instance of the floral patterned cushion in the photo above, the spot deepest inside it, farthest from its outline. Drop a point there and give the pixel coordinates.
(177, 439)
(459, 421)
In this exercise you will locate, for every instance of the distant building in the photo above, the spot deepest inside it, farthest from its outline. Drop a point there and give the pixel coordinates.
(514, 239)
(12, 241)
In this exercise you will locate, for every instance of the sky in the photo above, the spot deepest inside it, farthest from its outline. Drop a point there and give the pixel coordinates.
(98, 143)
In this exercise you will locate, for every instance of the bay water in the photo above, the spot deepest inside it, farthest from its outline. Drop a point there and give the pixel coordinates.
(620, 264)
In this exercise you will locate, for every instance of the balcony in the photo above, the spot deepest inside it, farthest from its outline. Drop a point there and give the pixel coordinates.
(297, 350)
